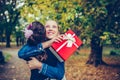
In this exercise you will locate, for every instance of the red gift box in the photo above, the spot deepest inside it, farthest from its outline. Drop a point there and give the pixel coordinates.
(63, 50)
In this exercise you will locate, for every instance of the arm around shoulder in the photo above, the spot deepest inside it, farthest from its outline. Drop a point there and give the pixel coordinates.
(30, 51)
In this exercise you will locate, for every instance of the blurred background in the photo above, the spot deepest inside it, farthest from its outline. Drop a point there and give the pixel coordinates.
(96, 22)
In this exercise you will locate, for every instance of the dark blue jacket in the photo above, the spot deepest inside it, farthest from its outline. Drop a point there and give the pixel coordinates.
(51, 68)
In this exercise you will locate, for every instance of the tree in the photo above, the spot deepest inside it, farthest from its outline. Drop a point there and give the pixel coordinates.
(101, 27)
(9, 15)
(113, 21)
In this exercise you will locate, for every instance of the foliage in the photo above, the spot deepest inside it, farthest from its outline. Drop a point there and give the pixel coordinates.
(115, 52)
(7, 56)
(9, 15)
(86, 18)
(113, 19)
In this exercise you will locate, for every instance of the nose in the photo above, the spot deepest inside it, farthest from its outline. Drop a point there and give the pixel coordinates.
(50, 28)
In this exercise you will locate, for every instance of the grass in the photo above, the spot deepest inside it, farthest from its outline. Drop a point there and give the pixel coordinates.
(7, 56)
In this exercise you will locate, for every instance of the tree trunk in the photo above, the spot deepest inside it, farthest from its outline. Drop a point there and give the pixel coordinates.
(17, 41)
(8, 38)
(95, 56)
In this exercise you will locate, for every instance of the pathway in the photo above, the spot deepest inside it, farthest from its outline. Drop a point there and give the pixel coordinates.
(15, 68)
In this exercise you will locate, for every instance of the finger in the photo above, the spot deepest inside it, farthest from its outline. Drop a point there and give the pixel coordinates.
(32, 58)
(59, 39)
(27, 62)
(29, 66)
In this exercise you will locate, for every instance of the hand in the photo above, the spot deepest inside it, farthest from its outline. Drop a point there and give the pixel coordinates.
(34, 64)
(58, 38)
(42, 57)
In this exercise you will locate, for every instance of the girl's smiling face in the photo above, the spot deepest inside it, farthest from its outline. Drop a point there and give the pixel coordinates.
(52, 29)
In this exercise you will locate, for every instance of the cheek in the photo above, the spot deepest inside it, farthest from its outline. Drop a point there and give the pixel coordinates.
(46, 29)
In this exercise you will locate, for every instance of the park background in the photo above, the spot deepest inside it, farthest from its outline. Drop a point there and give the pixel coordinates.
(97, 23)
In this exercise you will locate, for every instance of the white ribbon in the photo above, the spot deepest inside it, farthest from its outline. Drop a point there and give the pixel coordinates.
(70, 41)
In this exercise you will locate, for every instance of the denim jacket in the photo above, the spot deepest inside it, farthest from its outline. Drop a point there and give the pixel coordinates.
(51, 67)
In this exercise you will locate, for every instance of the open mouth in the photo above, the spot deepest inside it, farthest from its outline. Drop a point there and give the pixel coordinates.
(50, 33)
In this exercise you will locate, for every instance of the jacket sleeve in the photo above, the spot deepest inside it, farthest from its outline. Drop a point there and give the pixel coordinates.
(56, 72)
(30, 51)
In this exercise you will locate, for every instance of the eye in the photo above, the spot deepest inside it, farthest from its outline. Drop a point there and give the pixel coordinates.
(47, 26)
(54, 26)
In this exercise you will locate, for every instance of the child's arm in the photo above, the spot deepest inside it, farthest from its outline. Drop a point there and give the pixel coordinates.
(49, 43)
(28, 51)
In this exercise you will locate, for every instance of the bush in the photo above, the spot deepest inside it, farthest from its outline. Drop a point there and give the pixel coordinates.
(115, 52)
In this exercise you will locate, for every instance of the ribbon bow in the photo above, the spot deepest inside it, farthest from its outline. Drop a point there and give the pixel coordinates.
(70, 39)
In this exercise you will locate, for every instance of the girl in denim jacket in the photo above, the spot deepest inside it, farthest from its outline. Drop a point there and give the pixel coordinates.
(44, 66)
